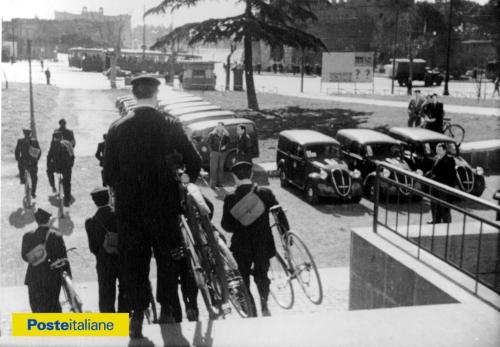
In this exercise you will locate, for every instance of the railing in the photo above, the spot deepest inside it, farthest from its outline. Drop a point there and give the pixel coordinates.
(471, 244)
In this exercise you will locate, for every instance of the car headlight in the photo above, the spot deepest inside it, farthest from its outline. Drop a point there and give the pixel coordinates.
(479, 170)
(356, 173)
(204, 149)
(386, 173)
(323, 174)
(420, 172)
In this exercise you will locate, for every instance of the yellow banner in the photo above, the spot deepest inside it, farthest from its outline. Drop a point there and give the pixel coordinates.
(70, 324)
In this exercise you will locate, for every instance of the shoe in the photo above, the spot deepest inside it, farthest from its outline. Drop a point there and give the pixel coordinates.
(33, 195)
(166, 316)
(67, 202)
(54, 190)
(266, 312)
(192, 314)
(135, 325)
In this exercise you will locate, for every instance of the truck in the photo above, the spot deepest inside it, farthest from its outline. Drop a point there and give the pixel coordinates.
(420, 72)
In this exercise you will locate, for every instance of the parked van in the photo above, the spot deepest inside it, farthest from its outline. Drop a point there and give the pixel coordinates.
(199, 132)
(205, 115)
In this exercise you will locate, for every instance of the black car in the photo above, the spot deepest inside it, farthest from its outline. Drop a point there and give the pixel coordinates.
(365, 148)
(313, 162)
(421, 151)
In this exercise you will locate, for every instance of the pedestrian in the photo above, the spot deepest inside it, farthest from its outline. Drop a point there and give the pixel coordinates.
(496, 84)
(443, 171)
(181, 81)
(415, 109)
(27, 154)
(259, 68)
(435, 115)
(409, 85)
(67, 134)
(243, 145)
(99, 154)
(41, 62)
(47, 76)
(102, 234)
(60, 159)
(246, 216)
(218, 141)
(39, 249)
(142, 155)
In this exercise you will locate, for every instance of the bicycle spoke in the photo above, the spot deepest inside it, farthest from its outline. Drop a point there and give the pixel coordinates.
(305, 269)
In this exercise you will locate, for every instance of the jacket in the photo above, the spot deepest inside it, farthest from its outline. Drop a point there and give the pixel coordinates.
(256, 240)
(435, 111)
(217, 142)
(55, 248)
(244, 148)
(60, 156)
(22, 152)
(443, 171)
(99, 154)
(104, 220)
(68, 136)
(142, 154)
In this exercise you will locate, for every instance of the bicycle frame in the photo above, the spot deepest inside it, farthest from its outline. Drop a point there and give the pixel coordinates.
(69, 291)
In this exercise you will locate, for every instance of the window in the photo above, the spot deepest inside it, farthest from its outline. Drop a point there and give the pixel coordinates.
(322, 151)
(198, 73)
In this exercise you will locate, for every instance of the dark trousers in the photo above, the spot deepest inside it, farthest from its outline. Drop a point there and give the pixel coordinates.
(189, 288)
(440, 213)
(66, 180)
(108, 274)
(258, 268)
(44, 297)
(33, 170)
(414, 121)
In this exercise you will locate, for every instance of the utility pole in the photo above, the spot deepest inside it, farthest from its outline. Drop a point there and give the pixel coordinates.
(394, 47)
(32, 112)
(448, 51)
(302, 71)
(144, 35)
(13, 58)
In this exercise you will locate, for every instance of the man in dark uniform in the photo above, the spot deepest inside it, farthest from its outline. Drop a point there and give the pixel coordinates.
(415, 109)
(60, 159)
(44, 284)
(243, 145)
(435, 115)
(103, 237)
(252, 245)
(66, 133)
(143, 151)
(27, 154)
(443, 171)
(100, 155)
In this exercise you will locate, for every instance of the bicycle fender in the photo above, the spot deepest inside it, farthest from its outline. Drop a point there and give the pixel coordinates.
(195, 193)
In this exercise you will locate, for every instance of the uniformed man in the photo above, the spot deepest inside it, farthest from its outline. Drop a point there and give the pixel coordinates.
(143, 151)
(243, 145)
(99, 154)
(435, 115)
(218, 139)
(60, 159)
(443, 171)
(44, 284)
(27, 154)
(66, 133)
(252, 245)
(415, 109)
(103, 243)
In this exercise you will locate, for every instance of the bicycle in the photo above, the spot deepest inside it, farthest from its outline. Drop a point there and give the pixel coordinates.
(69, 291)
(27, 199)
(214, 269)
(295, 263)
(151, 313)
(455, 131)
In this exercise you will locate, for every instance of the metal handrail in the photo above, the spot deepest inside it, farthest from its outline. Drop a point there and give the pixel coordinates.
(434, 187)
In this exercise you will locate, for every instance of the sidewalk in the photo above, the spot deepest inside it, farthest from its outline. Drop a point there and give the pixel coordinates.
(335, 298)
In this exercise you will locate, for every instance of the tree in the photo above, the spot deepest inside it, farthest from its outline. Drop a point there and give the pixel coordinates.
(271, 21)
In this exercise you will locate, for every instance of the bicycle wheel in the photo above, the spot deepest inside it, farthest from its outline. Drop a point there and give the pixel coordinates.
(456, 132)
(27, 190)
(238, 291)
(304, 268)
(281, 286)
(74, 300)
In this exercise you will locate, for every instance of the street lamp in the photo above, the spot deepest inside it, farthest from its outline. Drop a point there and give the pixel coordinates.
(448, 51)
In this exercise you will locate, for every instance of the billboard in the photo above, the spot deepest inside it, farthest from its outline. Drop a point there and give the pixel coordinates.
(347, 67)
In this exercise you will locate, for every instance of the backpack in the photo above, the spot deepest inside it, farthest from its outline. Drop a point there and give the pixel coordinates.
(249, 208)
(110, 243)
(38, 254)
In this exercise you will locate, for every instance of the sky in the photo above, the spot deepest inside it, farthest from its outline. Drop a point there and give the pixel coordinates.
(45, 9)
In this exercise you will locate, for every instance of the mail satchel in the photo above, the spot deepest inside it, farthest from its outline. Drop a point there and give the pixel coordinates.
(249, 208)
(38, 254)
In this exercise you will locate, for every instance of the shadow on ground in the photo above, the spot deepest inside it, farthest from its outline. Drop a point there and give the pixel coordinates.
(21, 217)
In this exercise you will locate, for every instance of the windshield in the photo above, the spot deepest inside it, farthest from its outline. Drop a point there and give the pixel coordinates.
(430, 148)
(322, 151)
(383, 150)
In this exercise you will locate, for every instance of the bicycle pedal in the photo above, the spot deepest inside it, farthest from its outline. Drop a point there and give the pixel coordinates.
(226, 310)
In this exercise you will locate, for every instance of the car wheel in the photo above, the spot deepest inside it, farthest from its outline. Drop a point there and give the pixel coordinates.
(283, 180)
(370, 189)
(230, 161)
(311, 194)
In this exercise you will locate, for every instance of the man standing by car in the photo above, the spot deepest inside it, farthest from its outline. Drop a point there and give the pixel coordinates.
(414, 109)
(243, 145)
(143, 153)
(218, 140)
(27, 154)
(435, 115)
(443, 172)
(60, 159)
(39, 248)
(103, 243)
(252, 242)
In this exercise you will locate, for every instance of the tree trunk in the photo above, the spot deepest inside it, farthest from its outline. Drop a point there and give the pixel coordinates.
(112, 73)
(228, 71)
(251, 96)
